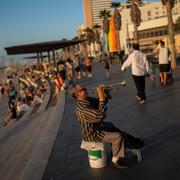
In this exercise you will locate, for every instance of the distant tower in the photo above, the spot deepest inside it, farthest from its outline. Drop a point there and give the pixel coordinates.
(92, 10)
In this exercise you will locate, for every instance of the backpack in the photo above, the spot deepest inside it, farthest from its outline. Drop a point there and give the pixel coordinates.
(132, 142)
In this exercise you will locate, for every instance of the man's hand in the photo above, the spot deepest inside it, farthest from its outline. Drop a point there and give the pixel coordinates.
(123, 69)
(101, 94)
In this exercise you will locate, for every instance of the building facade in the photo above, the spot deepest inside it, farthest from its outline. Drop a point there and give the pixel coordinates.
(153, 25)
(92, 10)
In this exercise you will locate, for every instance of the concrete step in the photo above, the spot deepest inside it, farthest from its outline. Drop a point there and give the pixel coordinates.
(27, 150)
(23, 147)
(17, 141)
(15, 146)
(37, 164)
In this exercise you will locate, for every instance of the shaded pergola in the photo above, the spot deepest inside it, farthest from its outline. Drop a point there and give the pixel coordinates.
(41, 47)
(35, 57)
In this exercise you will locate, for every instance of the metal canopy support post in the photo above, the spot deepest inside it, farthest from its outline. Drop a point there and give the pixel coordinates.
(38, 57)
(41, 57)
(48, 56)
(54, 57)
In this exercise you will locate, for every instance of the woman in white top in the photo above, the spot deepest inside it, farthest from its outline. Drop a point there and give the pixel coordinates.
(164, 65)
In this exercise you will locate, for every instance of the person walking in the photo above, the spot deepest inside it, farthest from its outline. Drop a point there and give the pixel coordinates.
(77, 66)
(106, 64)
(88, 64)
(59, 81)
(164, 65)
(140, 67)
(69, 70)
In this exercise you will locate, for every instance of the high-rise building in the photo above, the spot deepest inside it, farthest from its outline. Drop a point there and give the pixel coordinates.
(92, 10)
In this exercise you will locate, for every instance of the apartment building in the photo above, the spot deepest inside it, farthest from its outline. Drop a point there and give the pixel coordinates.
(153, 21)
(153, 26)
(92, 10)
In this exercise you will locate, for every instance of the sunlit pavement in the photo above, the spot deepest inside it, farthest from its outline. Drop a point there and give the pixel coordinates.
(3, 109)
(157, 122)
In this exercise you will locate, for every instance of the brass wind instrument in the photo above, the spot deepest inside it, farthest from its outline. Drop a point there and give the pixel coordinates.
(108, 88)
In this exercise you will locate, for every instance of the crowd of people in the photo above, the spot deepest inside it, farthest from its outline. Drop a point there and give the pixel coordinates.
(32, 83)
(31, 92)
(33, 86)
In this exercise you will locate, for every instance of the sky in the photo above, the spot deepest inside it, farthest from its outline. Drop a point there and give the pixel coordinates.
(31, 21)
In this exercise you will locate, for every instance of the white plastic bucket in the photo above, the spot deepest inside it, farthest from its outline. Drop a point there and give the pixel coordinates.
(97, 158)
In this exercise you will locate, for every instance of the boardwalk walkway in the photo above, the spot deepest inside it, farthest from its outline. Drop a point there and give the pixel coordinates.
(157, 122)
(47, 145)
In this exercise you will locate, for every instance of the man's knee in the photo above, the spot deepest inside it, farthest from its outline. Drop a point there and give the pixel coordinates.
(118, 136)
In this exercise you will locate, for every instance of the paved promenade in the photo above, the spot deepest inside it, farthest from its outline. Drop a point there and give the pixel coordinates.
(157, 122)
(3, 110)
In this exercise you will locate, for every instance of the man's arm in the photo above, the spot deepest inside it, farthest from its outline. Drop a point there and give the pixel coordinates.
(127, 63)
(90, 114)
(147, 64)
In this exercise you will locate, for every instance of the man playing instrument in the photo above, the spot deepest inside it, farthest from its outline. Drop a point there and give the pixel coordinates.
(91, 113)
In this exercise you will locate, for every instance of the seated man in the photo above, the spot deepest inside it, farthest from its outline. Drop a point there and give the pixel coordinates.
(38, 99)
(22, 107)
(13, 113)
(91, 113)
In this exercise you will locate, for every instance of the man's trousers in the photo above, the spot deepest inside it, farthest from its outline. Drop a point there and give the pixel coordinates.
(114, 137)
(140, 85)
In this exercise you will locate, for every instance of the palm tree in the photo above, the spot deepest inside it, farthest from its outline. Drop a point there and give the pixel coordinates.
(96, 28)
(89, 38)
(177, 25)
(84, 44)
(169, 4)
(135, 14)
(105, 15)
(117, 15)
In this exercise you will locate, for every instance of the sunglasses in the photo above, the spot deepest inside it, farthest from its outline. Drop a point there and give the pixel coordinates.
(81, 89)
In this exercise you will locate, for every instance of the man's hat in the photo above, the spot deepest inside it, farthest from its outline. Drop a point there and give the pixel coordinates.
(75, 89)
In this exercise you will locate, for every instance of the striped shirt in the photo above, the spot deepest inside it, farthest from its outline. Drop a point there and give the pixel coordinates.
(90, 114)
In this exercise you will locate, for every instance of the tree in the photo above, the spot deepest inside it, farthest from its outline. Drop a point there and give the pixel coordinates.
(169, 4)
(135, 14)
(177, 26)
(89, 37)
(105, 15)
(84, 44)
(96, 29)
(117, 15)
